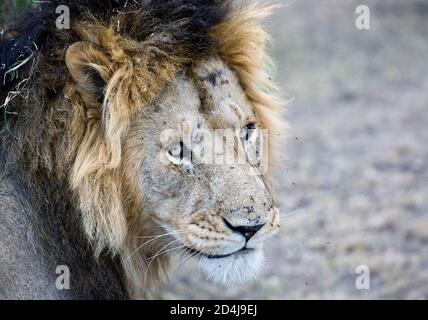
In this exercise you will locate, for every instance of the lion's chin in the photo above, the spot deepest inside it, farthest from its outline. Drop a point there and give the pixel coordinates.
(234, 270)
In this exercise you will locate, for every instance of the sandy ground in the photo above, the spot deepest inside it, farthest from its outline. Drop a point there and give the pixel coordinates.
(356, 172)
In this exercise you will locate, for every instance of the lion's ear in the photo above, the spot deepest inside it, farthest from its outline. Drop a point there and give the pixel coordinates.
(89, 67)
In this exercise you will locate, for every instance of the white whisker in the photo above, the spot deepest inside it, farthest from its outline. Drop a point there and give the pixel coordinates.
(194, 254)
(293, 212)
(155, 238)
(156, 255)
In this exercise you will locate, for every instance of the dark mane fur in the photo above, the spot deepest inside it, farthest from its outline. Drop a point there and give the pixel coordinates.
(34, 35)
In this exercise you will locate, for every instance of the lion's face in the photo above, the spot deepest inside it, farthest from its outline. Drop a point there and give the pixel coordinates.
(220, 208)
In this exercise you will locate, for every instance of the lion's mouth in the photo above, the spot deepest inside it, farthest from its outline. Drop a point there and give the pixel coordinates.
(219, 256)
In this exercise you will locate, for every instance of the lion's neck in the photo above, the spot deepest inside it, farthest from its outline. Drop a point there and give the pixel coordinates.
(41, 231)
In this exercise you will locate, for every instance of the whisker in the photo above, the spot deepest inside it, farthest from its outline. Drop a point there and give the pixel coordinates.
(156, 237)
(293, 212)
(194, 257)
(185, 259)
(156, 255)
(211, 274)
(182, 252)
(166, 246)
(159, 235)
(194, 254)
(169, 250)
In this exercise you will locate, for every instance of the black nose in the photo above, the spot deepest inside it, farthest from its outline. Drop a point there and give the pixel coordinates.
(246, 231)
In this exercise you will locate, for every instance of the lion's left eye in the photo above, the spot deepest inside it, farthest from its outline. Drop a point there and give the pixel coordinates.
(250, 141)
(248, 131)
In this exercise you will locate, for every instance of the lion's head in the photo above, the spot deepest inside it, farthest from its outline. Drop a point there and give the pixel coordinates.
(148, 94)
(220, 211)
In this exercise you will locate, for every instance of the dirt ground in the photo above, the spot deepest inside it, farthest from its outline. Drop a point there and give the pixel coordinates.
(356, 177)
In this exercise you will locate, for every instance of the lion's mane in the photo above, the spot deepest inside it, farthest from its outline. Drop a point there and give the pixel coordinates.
(51, 133)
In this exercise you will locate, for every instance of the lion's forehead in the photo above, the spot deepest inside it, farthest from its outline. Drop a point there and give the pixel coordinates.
(221, 93)
(206, 95)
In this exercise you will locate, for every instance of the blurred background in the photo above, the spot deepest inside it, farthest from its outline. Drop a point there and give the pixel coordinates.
(354, 188)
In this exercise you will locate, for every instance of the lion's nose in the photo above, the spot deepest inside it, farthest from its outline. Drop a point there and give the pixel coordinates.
(246, 231)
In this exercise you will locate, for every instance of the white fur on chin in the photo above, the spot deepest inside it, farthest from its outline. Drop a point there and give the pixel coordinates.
(234, 270)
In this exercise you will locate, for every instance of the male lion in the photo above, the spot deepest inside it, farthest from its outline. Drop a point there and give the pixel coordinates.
(99, 131)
